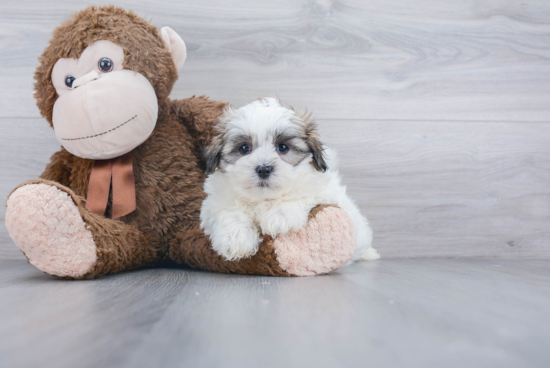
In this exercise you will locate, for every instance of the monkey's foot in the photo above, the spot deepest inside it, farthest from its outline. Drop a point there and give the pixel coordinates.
(46, 225)
(325, 244)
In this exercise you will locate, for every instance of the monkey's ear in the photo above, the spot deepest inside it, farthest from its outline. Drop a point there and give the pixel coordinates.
(175, 45)
(211, 154)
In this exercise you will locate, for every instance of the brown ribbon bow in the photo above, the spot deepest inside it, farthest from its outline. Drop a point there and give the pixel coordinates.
(120, 171)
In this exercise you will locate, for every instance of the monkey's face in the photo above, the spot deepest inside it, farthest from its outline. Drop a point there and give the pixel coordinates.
(103, 111)
(103, 79)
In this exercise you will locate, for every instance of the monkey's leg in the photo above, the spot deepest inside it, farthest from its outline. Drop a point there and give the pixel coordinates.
(59, 236)
(325, 244)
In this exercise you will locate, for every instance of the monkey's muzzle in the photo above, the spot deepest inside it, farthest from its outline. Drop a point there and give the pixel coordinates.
(106, 115)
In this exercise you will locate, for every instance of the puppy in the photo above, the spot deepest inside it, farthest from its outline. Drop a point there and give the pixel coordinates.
(267, 170)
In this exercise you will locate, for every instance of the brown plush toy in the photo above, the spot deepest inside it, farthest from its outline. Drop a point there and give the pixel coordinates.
(126, 188)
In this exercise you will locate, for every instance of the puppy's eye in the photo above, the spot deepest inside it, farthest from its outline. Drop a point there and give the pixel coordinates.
(69, 81)
(283, 148)
(244, 149)
(105, 65)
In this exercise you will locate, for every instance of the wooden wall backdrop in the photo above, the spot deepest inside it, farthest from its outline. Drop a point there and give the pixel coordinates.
(440, 108)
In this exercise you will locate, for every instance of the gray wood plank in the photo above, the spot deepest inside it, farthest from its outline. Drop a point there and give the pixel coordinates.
(449, 189)
(429, 189)
(398, 313)
(435, 60)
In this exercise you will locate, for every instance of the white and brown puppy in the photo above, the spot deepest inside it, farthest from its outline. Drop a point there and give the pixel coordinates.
(267, 171)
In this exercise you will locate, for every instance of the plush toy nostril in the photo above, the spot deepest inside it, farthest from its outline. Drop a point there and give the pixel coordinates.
(85, 79)
(264, 171)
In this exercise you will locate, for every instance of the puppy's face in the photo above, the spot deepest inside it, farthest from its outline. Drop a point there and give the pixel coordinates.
(264, 149)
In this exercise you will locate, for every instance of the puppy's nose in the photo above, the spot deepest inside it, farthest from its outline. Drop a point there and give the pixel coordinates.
(264, 171)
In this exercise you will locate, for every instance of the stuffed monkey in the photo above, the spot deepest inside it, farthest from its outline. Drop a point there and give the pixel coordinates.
(125, 189)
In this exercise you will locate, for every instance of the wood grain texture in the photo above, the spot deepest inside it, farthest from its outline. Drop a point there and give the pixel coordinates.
(436, 60)
(439, 109)
(449, 189)
(390, 313)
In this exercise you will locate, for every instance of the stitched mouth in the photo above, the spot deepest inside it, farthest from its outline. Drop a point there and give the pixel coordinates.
(98, 134)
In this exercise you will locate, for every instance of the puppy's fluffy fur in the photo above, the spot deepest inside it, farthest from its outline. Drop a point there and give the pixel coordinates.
(268, 169)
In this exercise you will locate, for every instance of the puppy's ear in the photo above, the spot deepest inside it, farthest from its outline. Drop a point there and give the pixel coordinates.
(211, 154)
(316, 148)
(311, 138)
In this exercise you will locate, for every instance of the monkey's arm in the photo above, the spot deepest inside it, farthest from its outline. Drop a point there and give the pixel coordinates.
(59, 168)
(198, 115)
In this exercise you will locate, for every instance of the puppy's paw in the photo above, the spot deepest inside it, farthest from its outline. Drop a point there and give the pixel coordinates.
(283, 219)
(236, 242)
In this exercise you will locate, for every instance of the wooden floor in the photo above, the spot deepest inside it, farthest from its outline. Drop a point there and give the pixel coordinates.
(392, 313)
(440, 112)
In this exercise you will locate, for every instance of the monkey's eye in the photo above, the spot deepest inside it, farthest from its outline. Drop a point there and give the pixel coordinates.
(244, 149)
(69, 81)
(283, 148)
(105, 65)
